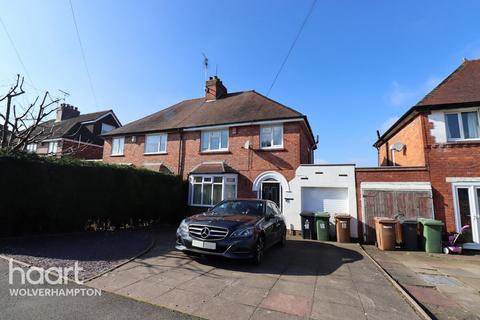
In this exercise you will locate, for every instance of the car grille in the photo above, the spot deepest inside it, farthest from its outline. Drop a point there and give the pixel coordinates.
(207, 232)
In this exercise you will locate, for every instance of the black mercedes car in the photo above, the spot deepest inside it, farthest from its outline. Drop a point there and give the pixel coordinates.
(239, 229)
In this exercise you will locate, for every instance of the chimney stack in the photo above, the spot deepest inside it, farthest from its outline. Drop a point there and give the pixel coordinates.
(66, 111)
(214, 88)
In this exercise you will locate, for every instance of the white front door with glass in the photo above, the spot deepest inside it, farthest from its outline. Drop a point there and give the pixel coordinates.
(206, 190)
(467, 211)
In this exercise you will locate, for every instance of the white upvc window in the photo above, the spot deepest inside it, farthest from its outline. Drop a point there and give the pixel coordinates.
(52, 147)
(155, 143)
(107, 127)
(271, 137)
(208, 190)
(32, 147)
(462, 125)
(214, 140)
(118, 146)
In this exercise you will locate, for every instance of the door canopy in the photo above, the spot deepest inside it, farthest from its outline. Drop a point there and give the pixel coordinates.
(270, 176)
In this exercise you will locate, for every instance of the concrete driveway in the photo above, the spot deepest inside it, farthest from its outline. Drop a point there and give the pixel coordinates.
(306, 279)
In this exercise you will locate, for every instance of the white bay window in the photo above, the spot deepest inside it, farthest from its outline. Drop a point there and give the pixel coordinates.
(208, 190)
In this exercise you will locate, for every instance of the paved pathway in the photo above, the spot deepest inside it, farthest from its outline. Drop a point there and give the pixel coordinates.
(306, 279)
(447, 285)
(107, 306)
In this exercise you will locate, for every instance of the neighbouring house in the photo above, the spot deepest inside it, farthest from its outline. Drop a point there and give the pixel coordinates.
(73, 134)
(226, 145)
(429, 160)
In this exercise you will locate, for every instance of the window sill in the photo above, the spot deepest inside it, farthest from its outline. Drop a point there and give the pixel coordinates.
(215, 152)
(154, 153)
(117, 155)
(273, 149)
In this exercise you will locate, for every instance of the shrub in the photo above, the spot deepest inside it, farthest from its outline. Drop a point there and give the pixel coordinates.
(47, 195)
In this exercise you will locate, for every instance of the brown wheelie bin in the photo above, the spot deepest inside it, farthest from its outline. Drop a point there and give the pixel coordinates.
(385, 230)
(342, 226)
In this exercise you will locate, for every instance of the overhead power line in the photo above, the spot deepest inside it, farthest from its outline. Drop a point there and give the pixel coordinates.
(17, 53)
(83, 54)
(292, 46)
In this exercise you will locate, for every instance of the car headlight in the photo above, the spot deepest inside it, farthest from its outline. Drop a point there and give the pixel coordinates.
(243, 233)
(183, 228)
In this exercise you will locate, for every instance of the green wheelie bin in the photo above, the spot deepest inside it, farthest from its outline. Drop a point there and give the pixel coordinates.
(431, 234)
(322, 223)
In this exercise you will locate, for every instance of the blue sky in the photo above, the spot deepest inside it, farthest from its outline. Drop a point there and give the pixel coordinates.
(357, 66)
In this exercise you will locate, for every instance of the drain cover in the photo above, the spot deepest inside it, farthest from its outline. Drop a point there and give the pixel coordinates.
(438, 279)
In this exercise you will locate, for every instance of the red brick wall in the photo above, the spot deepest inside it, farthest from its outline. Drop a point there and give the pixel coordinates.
(249, 163)
(80, 151)
(459, 159)
(385, 174)
(413, 154)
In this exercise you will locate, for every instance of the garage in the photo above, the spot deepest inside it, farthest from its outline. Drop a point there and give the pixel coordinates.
(325, 188)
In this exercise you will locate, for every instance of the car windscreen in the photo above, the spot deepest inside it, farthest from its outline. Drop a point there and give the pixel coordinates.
(253, 208)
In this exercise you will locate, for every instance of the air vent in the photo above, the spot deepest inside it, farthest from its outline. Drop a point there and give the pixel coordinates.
(318, 172)
(343, 175)
(304, 178)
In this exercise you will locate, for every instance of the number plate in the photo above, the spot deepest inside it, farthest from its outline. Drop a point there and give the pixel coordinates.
(204, 245)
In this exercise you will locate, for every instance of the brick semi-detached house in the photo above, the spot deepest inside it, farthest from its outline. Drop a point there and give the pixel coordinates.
(226, 145)
(73, 134)
(430, 159)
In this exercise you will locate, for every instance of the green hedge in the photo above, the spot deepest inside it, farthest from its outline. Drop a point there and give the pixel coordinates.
(45, 195)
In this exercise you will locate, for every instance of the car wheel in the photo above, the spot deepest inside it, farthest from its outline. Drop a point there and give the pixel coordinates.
(283, 239)
(259, 251)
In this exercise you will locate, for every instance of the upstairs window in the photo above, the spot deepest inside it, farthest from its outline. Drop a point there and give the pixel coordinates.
(52, 147)
(156, 143)
(271, 137)
(215, 140)
(462, 125)
(32, 147)
(117, 146)
(106, 127)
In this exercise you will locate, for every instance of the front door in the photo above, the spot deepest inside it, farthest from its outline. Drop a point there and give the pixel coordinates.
(271, 191)
(467, 212)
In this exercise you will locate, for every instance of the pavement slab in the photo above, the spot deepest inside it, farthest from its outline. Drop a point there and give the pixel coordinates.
(288, 303)
(448, 286)
(304, 280)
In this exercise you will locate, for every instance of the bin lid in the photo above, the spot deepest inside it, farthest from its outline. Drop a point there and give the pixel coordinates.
(409, 221)
(430, 222)
(307, 214)
(385, 220)
(342, 216)
(321, 214)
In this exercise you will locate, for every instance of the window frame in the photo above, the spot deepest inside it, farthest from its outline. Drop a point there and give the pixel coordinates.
(159, 144)
(224, 182)
(34, 145)
(52, 150)
(203, 133)
(106, 124)
(272, 145)
(123, 146)
(458, 113)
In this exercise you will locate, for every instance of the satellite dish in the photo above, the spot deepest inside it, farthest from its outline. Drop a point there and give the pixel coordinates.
(247, 145)
(398, 146)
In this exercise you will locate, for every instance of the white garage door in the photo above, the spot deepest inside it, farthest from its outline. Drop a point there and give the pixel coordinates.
(331, 200)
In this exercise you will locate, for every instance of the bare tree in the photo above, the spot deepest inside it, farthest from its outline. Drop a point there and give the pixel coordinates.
(22, 128)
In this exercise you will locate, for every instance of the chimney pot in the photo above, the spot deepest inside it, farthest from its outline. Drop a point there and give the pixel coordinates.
(214, 88)
(66, 111)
